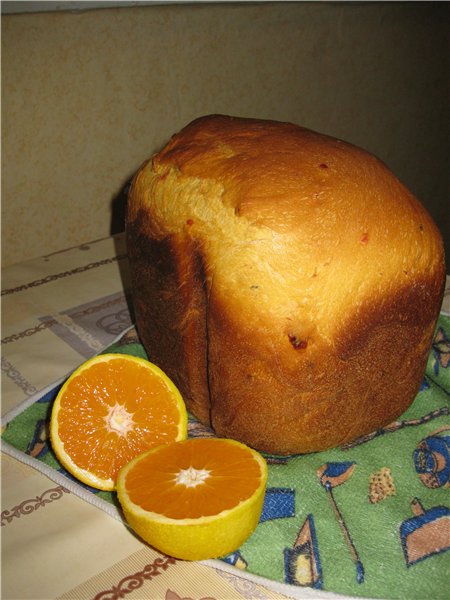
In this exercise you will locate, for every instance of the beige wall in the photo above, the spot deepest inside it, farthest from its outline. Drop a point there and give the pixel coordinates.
(87, 96)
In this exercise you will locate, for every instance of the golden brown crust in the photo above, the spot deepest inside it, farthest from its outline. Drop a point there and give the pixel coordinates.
(170, 303)
(285, 280)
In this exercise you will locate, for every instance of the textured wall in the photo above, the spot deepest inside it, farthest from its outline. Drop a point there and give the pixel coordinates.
(88, 96)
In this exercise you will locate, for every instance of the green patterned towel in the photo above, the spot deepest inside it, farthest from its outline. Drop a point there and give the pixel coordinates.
(369, 519)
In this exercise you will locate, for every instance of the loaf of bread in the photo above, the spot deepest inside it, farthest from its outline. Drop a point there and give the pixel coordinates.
(285, 280)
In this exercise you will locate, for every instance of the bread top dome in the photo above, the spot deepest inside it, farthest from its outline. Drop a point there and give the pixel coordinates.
(304, 233)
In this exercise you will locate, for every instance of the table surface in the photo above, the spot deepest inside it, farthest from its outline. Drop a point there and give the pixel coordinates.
(57, 311)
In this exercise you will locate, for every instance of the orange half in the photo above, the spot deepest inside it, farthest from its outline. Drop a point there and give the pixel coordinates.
(111, 409)
(196, 499)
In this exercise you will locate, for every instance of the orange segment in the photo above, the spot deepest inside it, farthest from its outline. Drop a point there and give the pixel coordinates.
(112, 408)
(196, 499)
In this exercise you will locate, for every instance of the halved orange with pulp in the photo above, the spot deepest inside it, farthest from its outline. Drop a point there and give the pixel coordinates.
(112, 408)
(196, 499)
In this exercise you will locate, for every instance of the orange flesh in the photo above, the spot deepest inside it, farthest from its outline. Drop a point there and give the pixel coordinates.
(234, 475)
(89, 398)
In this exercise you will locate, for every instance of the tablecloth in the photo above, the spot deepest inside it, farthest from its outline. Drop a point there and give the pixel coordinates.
(369, 520)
